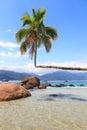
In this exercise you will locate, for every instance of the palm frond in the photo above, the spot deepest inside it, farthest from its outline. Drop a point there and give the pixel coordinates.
(33, 13)
(47, 42)
(23, 47)
(52, 32)
(39, 41)
(26, 19)
(23, 33)
(31, 50)
(20, 34)
(40, 13)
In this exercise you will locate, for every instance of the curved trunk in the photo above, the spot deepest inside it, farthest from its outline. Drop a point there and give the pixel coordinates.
(63, 68)
(54, 67)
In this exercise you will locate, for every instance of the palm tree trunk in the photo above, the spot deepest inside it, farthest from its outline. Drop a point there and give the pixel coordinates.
(35, 54)
(54, 67)
(63, 68)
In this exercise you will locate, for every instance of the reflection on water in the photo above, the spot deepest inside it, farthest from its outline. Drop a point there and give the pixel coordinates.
(34, 114)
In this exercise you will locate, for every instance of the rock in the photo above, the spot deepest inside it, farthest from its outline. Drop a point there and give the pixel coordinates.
(10, 91)
(30, 82)
(71, 85)
(81, 85)
(53, 95)
(42, 86)
(48, 84)
(61, 85)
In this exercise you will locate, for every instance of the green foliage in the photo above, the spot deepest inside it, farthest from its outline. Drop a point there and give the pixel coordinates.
(24, 47)
(20, 34)
(34, 32)
(52, 32)
(26, 19)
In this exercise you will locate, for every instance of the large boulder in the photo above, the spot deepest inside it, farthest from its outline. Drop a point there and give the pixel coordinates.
(30, 82)
(10, 91)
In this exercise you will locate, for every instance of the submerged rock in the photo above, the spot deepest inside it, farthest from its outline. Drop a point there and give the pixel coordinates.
(30, 82)
(53, 95)
(71, 85)
(61, 85)
(10, 91)
(81, 85)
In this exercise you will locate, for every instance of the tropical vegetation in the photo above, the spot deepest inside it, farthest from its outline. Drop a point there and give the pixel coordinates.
(34, 33)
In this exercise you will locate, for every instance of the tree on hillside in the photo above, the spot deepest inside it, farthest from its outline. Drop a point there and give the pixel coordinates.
(34, 33)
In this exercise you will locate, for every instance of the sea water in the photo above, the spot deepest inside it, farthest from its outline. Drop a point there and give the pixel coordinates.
(58, 82)
(66, 110)
(67, 83)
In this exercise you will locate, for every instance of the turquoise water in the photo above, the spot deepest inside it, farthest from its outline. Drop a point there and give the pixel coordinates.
(73, 82)
(76, 83)
(57, 82)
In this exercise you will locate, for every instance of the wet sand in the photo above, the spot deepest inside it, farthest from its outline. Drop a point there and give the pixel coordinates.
(48, 109)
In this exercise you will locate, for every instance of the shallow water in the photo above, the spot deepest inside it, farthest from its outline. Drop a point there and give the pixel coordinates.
(69, 82)
(48, 109)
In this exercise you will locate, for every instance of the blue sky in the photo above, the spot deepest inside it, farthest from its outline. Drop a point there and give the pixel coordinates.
(69, 17)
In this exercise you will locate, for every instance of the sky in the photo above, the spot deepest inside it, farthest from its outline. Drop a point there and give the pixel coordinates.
(69, 17)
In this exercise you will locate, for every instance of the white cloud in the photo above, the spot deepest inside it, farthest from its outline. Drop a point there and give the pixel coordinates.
(8, 45)
(67, 64)
(74, 64)
(10, 54)
(29, 68)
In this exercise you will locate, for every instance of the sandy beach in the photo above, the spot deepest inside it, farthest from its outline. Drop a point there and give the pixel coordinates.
(48, 109)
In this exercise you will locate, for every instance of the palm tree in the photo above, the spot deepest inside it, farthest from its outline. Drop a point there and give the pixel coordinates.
(34, 33)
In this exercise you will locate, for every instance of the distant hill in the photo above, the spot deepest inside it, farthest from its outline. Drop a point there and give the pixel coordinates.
(11, 75)
(65, 75)
(58, 75)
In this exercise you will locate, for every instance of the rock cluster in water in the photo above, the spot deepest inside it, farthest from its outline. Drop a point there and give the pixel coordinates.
(11, 91)
(33, 82)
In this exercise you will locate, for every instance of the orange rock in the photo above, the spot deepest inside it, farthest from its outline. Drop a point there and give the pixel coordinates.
(42, 86)
(10, 91)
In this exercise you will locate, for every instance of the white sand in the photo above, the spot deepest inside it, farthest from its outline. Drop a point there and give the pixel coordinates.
(66, 111)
